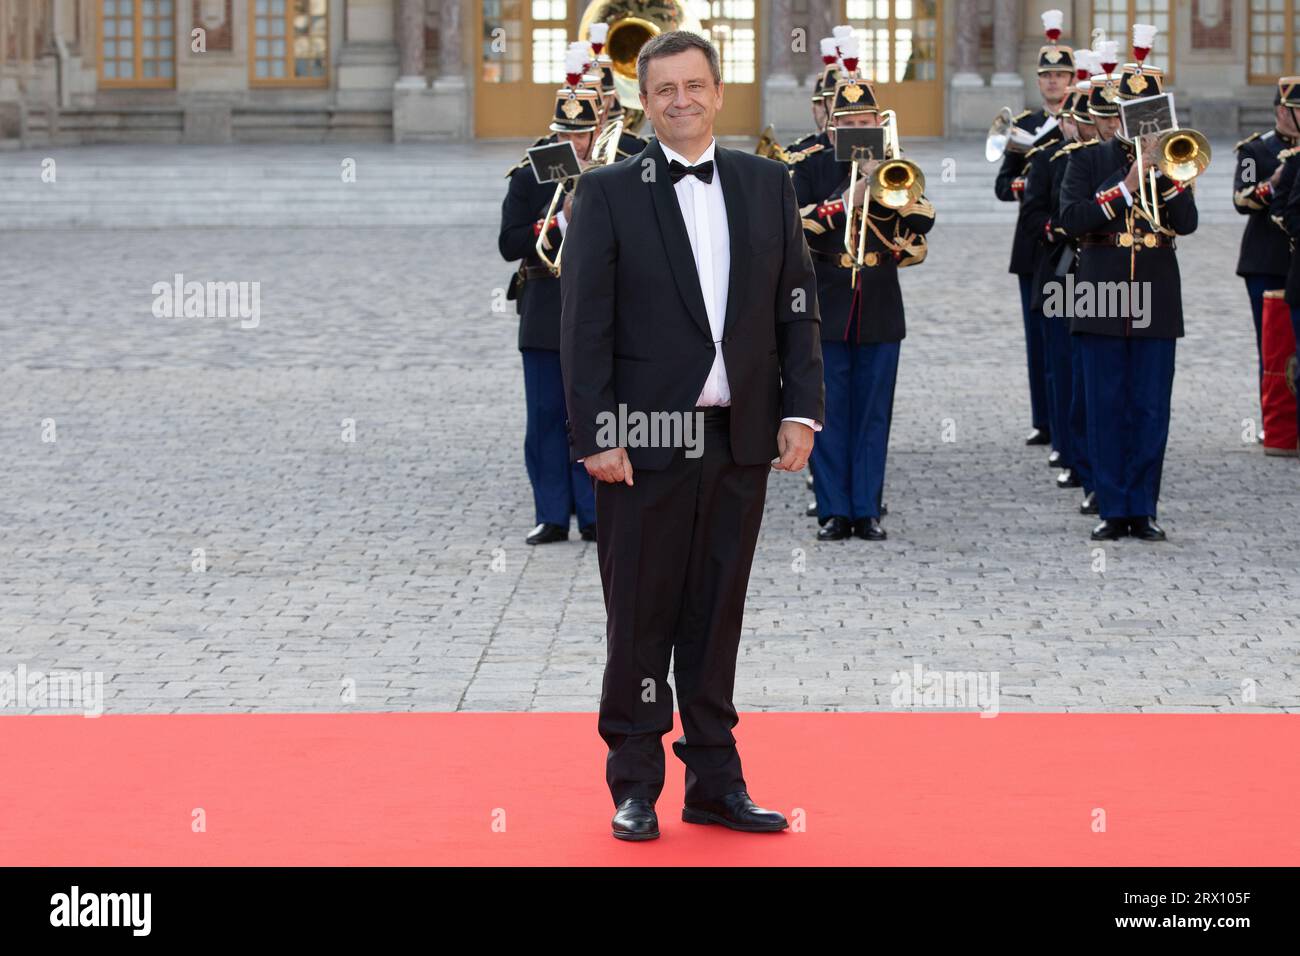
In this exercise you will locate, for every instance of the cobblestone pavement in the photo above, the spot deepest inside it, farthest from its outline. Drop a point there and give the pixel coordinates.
(395, 564)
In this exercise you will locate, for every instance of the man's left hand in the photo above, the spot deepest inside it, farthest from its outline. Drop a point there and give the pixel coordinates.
(794, 441)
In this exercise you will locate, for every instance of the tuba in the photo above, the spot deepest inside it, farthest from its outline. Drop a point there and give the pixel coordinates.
(1006, 137)
(631, 24)
(998, 140)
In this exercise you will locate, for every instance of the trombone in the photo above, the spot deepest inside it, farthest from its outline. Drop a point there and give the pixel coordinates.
(1181, 155)
(603, 152)
(895, 183)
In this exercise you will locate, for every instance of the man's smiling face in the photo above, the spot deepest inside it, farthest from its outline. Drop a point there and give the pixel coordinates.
(680, 96)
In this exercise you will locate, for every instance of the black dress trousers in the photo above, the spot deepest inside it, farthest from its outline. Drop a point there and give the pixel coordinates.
(675, 554)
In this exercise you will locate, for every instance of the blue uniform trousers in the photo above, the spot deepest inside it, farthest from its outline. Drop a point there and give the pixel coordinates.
(1056, 336)
(560, 488)
(1128, 382)
(1295, 328)
(849, 452)
(1079, 418)
(1035, 355)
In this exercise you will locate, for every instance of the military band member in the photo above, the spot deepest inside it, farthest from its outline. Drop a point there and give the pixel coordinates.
(1087, 134)
(560, 488)
(1290, 222)
(1035, 214)
(1265, 253)
(1055, 73)
(1127, 358)
(862, 325)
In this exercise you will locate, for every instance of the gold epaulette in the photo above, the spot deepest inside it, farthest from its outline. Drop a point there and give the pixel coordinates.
(1038, 149)
(1071, 147)
(1021, 115)
(803, 154)
(1249, 139)
(524, 162)
(1285, 154)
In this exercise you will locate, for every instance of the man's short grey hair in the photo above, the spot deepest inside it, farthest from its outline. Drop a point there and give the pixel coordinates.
(670, 44)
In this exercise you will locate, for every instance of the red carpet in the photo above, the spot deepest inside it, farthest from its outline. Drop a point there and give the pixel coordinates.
(875, 789)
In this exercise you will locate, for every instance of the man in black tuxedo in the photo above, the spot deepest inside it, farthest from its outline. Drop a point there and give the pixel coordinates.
(688, 295)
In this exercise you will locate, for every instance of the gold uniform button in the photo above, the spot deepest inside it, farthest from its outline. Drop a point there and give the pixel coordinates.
(1149, 240)
(1125, 239)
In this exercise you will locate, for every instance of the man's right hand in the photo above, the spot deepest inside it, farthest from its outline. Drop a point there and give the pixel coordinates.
(609, 466)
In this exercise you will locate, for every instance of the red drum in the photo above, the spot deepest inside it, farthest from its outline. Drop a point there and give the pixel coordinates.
(1279, 376)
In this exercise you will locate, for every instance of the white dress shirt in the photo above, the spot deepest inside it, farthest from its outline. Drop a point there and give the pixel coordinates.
(704, 211)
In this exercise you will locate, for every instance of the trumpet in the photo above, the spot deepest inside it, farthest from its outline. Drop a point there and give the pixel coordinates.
(895, 183)
(603, 152)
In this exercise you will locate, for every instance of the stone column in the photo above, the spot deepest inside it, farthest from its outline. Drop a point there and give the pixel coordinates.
(780, 58)
(367, 60)
(451, 65)
(410, 44)
(1006, 43)
(785, 102)
(967, 35)
(972, 103)
(1008, 84)
(445, 109)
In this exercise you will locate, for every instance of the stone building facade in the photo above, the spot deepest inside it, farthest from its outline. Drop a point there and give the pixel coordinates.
(212, 71)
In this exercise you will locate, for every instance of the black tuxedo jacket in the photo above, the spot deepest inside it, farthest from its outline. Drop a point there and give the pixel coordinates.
(634, 330)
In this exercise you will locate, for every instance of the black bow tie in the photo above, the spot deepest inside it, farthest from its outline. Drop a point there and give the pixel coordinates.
(703, 172)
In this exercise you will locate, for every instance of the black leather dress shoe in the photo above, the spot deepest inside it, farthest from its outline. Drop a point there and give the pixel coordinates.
(868, 529)
(635, 820)
(1039, 436)
(1089, 504)
(1110, 529)
(546, 533)
(1068, 479)
(835, 528)
(1054, 459)
(736, 811)
(811, 510)
(1145, 529)
(588, 533)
